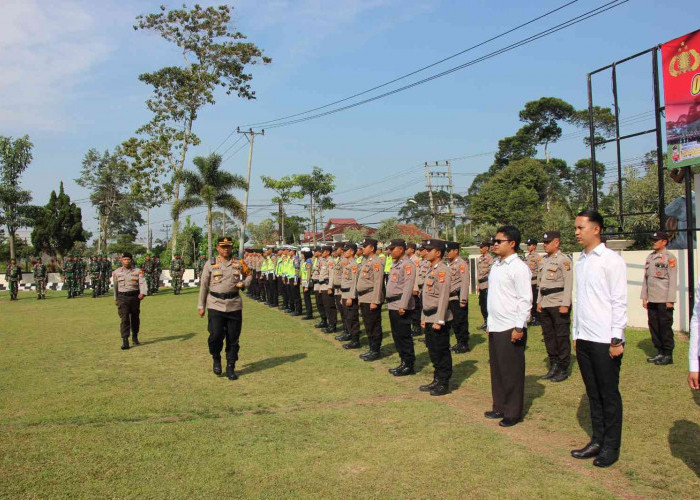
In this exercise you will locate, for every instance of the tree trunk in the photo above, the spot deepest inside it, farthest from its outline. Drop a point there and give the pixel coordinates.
(12, 242)
(280, 220)
(209, 231)
(176, 187)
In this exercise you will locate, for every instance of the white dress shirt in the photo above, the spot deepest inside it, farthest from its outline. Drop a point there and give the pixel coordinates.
(600, 302)
(510, 294)
(694, 348)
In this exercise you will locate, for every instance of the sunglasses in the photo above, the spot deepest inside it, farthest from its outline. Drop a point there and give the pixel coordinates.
(496, 241)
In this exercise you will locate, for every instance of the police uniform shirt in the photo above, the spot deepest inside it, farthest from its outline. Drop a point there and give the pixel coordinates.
(459, 287)
(556, 273)
(483, 267)
(370, 280)
(660, 283)
(399, 288)
(338, 268)
(221, 277)
(436, 295)
(323, 274)
(348, 284)
(129, 279)
(534, 262)
(423, 269)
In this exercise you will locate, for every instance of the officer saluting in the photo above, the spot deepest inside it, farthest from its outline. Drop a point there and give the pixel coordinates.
(555, 282)
(222, 280)
(129, 289)
(659, 289)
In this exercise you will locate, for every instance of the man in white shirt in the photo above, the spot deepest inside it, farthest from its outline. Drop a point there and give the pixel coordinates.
(508, 304)
(600, 318)
(694, 348)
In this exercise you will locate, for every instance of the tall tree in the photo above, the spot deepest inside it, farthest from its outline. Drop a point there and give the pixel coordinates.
(59, 225)
(210, 186)
(284, 187)
(388, 230)
(542, 119)
(214, 56)
(317, 185)
(15, 157)
(262, 233)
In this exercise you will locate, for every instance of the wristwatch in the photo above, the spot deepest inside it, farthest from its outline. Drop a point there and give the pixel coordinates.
(615, 341)
(519, 330)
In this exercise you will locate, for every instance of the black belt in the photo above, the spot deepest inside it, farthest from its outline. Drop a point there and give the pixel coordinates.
(132, 293)
(392, 299)
(344, 289)
(336, 287)
(549, 291)
(454, 294)
(323, 282)
(363, 292)
(315, 282)
(430, 312)
(230, 295)
(483, 280)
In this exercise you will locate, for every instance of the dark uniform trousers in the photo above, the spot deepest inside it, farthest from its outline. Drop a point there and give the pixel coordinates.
(225, 326)
(438, 344)
(339, 307)
(320, 305)
(307, 301)
(661, 327)
(284, 291)
(460, 321)
(331, 310)
(415, 314)
(533, 312)
(352, 320)
(129, 308)
(401, 332)
(601, 376)
(483, 298)
(507, 360)
(373, 325)
(296, 296)
(555, 329)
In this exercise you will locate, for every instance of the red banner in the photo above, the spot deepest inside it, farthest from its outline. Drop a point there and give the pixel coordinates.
(681, 69)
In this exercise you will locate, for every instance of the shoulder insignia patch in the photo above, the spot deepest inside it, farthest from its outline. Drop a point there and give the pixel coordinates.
(377, 265)
(462, 269)
(441, 277)
(354, 269)
(672, 262)
(567, 266)
(407, 268)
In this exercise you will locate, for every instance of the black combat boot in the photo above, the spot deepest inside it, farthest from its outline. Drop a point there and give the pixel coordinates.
(372, 356)
(323, 324)
(553, 368)
(654, 359)
(216, 368)
(330, 329)
(343, 338)
(125, 343)
(428, 387)
(441, 388)
(353, 344)
(230, 373)
(561, 374)
(666, 359)
(394, 370)
(406, 370)
(460, 348)
(135, 338)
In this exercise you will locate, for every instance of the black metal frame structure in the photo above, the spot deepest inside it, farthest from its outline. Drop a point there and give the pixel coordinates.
(657, 131)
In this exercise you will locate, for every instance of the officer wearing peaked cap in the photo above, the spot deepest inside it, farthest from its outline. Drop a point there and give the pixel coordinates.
(534, 262)
(555, 284)
(483, 267)
(401, 303)
(459, 296)
(348, 296)
(370, 295)
(659, 288)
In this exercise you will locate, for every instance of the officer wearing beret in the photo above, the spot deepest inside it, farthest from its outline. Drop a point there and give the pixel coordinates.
(129, 290)
(459, 297)
(483, 267)
(370, 295)
(436, 318)
(659, 288)
(401, 303)
(555, 283)
(534, 262)
(222, 280)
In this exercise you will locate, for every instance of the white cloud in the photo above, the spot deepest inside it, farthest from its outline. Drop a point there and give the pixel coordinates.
(46, 48)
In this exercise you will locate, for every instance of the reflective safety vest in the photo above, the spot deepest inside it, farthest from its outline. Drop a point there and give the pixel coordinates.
(280, 266)
(304, 271)
(387, 264)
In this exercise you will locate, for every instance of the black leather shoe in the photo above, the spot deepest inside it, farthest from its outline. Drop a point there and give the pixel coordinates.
(607, 457)
(482, 327)
(365, 354)
(372, 356)
(125, 344)
(406, 370)
(216, 368)
(353, 344)
(394, 370)
(561, 375)
(440, 389)
(343, 337)
(553, 369)
(589, 451)
(460, 348)
(306, 318)
(331, 329)
(508, 422)
(135, 339)
(666, 359)
(230, 373)
(417, 332)
(321, 325)
(428, 387)
(296, 313)
(493, 414)
(653, 359)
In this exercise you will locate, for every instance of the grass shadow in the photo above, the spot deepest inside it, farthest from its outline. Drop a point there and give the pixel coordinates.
(684, 441)
(422, 361)
(475, 339)
(265, 364)
(463, 371)
(583, 415)
(182, 338)
(696, 396)
(533, 389)
(648, 347)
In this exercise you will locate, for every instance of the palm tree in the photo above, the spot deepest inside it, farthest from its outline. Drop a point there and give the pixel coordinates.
(210, 186)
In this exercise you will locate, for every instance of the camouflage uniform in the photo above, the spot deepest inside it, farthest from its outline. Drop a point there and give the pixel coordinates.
(69, 276)
(40, 278)
(13, 276)
(157, 271)
(177, 269)
(147, 270)
(95, 276)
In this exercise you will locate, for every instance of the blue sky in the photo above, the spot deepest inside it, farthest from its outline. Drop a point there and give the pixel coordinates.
(70, 71)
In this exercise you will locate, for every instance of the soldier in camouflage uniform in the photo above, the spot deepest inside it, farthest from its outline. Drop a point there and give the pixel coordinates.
(157, 271)
(13, 276)
(200, 265)
(147, 270)
(69, 276)
(40, 278)
(95, 271)
(177, 269)
(106, 274)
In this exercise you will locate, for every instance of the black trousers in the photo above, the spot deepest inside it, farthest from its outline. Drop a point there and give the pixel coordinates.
(483, 298)
(308, 306)
(415, 314)
(319, 305)
(460, 322)
(533, 312)
(331, 310)
(555, 329)
(601, 376)
(401, 332)
(284, 290)
(296, 297)
(272, 291)
(438, 344)
(225, 326)
(339, 307)
(352, 319)
(129, 308)
(661, 327)
(507, 360)
(373, 325)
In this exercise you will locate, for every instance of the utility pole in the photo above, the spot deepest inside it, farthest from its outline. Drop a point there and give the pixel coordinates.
(250, 135)
(440, 180)
(167, 227)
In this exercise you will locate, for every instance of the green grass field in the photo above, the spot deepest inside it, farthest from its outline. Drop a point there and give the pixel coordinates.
(307, 419)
